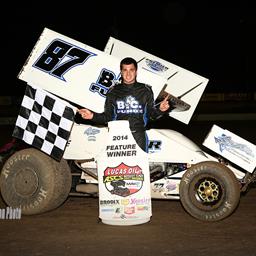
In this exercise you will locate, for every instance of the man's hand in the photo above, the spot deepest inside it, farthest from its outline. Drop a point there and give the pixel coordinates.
(164, 105)
(85, 113)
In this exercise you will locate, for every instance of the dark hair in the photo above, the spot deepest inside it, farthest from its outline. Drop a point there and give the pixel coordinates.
(128, 61)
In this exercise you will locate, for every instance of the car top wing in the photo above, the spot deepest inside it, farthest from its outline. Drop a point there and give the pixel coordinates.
(77, 72)
(184, 86)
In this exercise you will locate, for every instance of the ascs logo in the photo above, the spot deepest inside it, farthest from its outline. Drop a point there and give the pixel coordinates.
(123, 180)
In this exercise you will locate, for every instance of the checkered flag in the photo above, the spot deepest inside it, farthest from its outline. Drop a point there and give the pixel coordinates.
(44, 121)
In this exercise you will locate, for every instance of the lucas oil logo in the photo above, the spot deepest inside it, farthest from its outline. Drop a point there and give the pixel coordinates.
(130, 105)
(123, 180)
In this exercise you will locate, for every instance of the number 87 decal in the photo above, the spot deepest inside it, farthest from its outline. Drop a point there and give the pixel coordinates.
(60, 57)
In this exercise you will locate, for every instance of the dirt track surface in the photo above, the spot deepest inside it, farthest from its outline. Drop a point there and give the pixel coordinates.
(74, 229)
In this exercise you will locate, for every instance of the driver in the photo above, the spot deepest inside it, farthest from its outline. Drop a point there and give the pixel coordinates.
(129, 100)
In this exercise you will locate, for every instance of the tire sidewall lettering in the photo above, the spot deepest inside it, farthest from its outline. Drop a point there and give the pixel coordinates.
(42, 195)
(223, 210)
(14, 160)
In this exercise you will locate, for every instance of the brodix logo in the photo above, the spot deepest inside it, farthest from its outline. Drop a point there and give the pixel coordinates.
(123, 180)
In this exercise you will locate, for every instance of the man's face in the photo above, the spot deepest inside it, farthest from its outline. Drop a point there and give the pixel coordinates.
(128, 73)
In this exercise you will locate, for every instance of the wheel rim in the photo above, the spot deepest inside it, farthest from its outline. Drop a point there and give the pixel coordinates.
(208, 191)
(26, 182)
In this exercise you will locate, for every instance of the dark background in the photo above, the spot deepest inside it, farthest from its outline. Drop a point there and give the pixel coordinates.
(211, 38)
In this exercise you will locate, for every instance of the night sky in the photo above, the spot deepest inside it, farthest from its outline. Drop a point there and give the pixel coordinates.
(210, 38)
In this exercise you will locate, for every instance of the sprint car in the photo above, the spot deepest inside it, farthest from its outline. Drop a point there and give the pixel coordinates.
(208, 186)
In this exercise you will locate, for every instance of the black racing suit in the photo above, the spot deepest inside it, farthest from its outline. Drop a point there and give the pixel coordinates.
(133, 102)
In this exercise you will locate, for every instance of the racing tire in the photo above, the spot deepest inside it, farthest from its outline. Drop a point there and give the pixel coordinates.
(209, 191)
(34, 182)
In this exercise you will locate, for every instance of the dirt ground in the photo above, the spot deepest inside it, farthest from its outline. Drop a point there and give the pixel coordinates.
(75, 229)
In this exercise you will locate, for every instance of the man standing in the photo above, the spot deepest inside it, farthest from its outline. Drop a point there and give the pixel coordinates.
(129, 100)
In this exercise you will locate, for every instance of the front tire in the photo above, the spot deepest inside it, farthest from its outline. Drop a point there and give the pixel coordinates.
(209, 191)
(34, 182)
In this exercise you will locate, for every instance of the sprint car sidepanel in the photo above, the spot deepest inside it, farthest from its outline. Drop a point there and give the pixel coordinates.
(232, 147)
(86, 142)
(166, 188)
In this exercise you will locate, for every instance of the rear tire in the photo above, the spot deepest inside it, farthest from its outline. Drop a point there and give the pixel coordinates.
(209, 191)
(34, 182)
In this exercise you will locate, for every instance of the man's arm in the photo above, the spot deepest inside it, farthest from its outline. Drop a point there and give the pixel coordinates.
(100, 118)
